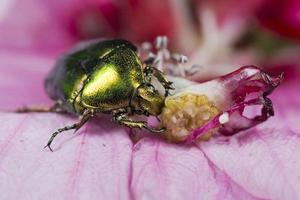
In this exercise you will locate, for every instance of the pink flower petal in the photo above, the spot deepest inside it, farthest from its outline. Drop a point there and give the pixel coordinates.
(168, 171)
(99, 162)
(22, 79)
(92, 164)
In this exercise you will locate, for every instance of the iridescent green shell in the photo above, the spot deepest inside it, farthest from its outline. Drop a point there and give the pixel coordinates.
(102, 75)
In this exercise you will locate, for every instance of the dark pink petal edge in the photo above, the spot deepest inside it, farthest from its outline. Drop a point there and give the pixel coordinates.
(247, 86)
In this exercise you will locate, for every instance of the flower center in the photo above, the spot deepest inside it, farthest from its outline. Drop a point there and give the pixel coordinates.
(185, 113)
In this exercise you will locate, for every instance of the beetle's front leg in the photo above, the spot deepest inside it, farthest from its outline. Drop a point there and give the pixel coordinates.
(82, 120)
(122, 118)
(152, 71)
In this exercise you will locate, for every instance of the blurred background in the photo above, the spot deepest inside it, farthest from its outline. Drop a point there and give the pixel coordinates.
(218, 36)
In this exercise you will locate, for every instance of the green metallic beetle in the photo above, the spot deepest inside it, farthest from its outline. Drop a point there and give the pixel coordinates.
(108, 77)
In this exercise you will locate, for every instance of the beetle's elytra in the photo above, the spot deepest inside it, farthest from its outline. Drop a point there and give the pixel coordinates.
(105, 76)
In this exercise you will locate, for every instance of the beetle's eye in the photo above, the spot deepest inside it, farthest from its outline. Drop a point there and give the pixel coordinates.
(151, 88)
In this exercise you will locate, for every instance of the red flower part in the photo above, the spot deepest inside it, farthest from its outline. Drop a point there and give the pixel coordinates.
(247, 86)
(281, 17)
(94, 19)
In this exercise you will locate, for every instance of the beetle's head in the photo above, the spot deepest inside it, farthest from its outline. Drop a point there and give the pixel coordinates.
(148, 100)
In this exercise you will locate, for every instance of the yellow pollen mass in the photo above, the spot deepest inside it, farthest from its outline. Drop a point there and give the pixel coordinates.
(186, 112)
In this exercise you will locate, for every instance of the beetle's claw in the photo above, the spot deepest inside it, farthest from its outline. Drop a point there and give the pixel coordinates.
(168, 85)
(167, 93)
(49, 146)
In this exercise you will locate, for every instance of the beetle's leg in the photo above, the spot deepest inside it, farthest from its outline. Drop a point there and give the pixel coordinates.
(57, 107)
(82, 120)
(152, 71)
(122, 118)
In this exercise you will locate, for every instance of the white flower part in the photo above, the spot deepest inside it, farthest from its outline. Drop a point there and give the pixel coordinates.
(215, 48)
(164, 60)
(146, 46)
(214, 90)
(161, 42)
(163, 54)
(224, 118)
(179, 58)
